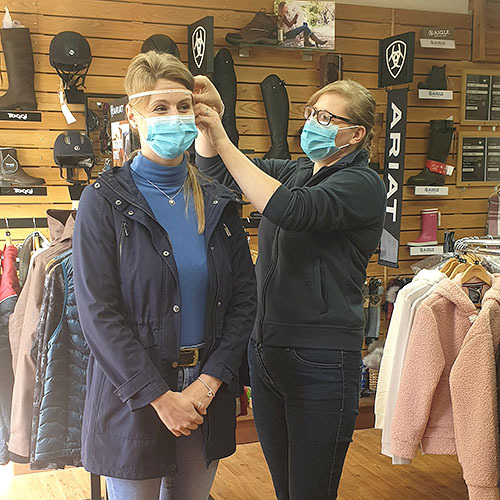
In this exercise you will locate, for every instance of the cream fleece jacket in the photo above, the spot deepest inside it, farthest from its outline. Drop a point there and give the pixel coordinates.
(448, 330)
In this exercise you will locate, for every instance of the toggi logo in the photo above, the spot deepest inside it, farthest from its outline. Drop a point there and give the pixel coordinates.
(23, 190)
(17, 116)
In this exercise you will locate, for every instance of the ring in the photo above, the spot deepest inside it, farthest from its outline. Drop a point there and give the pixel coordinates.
(198, 406)
(206, 111)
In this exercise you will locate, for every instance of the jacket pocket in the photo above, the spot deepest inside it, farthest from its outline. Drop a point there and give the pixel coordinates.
(321, 285)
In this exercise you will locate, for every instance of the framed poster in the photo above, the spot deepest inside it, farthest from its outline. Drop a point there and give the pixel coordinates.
(480, 97)
(478, 158)
(306, 24)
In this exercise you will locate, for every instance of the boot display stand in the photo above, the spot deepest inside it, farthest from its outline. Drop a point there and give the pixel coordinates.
(436, 85)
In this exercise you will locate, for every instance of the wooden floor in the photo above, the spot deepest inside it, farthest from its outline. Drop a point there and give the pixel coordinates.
(244, 476)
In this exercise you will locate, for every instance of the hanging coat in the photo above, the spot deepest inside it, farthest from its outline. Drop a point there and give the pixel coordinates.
(9, 289)
(60, 384)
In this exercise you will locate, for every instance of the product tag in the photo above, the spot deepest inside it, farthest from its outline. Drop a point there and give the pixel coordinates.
(449, 169)
(475, 291)
(65, 110)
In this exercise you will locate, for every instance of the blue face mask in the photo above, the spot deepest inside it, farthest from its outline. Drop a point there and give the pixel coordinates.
(318, 141)
(170, 136)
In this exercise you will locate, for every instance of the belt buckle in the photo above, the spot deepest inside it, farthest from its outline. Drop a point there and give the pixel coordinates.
(190, 351)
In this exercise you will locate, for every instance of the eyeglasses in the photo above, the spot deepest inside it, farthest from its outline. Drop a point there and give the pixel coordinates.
(323, 117)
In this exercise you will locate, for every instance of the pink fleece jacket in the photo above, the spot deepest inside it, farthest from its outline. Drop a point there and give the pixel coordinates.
(447, 401)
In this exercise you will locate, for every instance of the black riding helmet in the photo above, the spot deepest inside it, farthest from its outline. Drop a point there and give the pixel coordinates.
(70, 55)
(73, 149)
(161, 44)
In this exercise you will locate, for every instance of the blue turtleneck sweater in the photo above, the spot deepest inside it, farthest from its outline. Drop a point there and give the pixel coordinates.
(188, 246)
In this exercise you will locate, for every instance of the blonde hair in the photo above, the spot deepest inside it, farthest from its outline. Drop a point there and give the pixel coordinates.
(143, 73)
(361, 106)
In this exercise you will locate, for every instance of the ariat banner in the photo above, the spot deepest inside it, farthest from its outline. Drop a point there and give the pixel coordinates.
(395, 139)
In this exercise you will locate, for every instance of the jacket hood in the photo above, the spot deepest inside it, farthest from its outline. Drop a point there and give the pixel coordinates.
(452, 290)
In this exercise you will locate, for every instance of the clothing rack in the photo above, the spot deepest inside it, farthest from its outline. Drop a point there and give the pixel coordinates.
(478, 245)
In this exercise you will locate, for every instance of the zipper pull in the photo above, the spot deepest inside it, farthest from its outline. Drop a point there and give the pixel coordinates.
(226, 229)
(125, 229)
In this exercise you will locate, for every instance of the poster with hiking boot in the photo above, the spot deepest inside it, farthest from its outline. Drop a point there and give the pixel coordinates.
(306, 24)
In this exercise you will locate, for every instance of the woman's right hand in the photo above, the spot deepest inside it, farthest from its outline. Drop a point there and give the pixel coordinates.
(206, 93)
(178, 412)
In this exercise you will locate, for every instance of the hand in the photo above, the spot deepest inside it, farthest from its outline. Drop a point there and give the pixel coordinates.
(209, 124)
(178, 412)
(206, 93)
(198, 392)
(295, 18)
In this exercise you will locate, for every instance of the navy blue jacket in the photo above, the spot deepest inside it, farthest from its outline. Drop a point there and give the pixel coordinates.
(129, 304)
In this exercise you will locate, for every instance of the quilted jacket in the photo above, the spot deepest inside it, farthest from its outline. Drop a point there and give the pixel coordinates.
(62, 356)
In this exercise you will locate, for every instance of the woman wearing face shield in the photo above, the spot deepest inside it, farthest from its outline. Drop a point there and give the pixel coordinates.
(322, 220)
(165, 291)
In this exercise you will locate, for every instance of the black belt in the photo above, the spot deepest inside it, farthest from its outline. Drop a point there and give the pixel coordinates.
(189, 356)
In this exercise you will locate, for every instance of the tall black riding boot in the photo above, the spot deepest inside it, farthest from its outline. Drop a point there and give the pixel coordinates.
(224, 79)
(18, 53)
(277, 110)
(434, 172)
(436, 80)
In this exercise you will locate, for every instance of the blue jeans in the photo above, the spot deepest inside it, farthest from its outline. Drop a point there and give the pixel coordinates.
(297, 31)
(305, 404)
(193, 480)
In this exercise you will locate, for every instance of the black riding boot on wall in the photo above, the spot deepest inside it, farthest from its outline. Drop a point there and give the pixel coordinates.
(224, 79)
(277, 110)
(18, 53)
(436, 80)
(434, 172)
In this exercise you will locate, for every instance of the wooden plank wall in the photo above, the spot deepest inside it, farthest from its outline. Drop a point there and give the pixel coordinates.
(116, 29)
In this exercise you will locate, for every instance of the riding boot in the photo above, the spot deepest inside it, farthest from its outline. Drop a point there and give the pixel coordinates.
(224, 79)
(11, 173)
(374, 150)
(317, 40)
(434, 171)
(277, 110)
(436, 80)
(18, 53)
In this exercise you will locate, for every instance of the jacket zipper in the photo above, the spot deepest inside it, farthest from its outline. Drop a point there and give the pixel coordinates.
(123, 233)
(267, 279)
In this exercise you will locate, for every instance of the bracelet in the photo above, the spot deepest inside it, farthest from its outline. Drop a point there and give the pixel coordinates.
(210, 393)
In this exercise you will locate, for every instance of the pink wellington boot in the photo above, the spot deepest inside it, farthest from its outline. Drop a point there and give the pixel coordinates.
(428, 235)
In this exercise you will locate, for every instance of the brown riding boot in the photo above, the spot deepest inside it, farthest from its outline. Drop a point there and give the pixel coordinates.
(261, 29)
(11, 173)
(18, 53)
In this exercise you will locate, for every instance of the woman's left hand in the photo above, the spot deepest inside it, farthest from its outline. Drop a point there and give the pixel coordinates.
(209, 124)
(198, 392)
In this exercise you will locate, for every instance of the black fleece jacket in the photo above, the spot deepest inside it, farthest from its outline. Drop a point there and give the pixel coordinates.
(315, 240)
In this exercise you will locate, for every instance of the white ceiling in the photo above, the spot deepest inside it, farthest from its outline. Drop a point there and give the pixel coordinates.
(456, 6)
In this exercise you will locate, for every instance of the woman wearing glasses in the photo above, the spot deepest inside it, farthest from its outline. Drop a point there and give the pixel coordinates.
(322, 221)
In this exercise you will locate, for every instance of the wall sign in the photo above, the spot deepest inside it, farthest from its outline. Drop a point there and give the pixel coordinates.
(397, 101)
(437, 38)
(478, 158)
(395, 59)
(21, 116)
(201, 46)
(480, 98)
(23, 191)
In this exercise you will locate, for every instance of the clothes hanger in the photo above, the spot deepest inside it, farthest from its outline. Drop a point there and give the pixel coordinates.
(462, 267)
(450, 265)
(476, 271)
(8, 239)
(36, 237)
